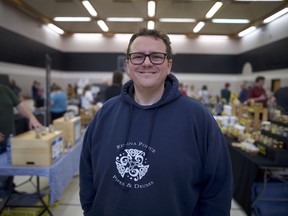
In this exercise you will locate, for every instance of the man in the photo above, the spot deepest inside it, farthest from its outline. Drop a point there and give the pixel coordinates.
(58, 102)
(114, 89)
(242, 97)
(152, 150)
(8, 100)
(257, 93)
(226, 93)
(281, 98)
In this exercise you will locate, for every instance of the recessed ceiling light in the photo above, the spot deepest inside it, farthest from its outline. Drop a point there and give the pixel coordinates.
(55, 28)
(151, 7)
(72, 19)
(89, 8)
(177, 20)
(231, 21)
(103, 25)
(247, 31)
(124, 19)
(276, 15)
(198, 27)
(214, 9)
(150, 24)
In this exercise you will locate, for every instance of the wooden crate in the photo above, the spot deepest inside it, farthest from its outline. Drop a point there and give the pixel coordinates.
(256, 112)
(71, 129)
(27, 150)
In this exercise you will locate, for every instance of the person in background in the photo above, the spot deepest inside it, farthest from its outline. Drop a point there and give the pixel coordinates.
(34, 91)
(192, 92)
(114, 89)
(58, 102)
(226, 93)
(15, 88)
(153, 150)
(243, 94)
(182, 89)
(8, 100)
(37, 94)
(87, 98)
(257, 92)
(281, 99)
(71, 94)
(204, 95)
(219, 106)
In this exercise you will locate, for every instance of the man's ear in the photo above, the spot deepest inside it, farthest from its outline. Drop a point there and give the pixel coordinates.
(170, 63)
(126, 65)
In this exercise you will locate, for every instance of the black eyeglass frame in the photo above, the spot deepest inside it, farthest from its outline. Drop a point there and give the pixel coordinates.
(149, 56)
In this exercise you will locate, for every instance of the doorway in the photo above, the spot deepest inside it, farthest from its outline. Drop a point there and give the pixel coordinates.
(275, 85)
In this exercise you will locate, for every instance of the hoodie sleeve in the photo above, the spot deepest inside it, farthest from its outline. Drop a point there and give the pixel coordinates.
(216, 194)
(87, 190)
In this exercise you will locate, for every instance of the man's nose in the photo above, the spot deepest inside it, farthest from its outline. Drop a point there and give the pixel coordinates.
(147, 60)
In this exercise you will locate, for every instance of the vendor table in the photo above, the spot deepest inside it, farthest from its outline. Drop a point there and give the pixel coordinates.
(59, 174)
(248, 170)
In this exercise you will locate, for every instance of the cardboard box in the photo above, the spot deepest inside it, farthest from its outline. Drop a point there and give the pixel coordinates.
(27, 150)
(86, 116)
(71, 129)
(27, 211)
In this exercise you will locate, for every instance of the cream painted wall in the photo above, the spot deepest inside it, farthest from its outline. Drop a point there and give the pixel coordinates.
(25, 75)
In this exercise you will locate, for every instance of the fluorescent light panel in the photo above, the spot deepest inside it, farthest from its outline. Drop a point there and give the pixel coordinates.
(259, 0)
(177, 20)
(103, 25)
(55, 28)
(198, 27)
(214, 37)
(151, 6)
(89, 8)
(150, 24)
(247, 31)
(231, 21)
(124, 19)
(72, 19)
(276, 15)
(214, 9)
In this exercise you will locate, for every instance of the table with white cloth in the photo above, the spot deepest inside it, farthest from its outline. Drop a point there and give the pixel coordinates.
(59, 174)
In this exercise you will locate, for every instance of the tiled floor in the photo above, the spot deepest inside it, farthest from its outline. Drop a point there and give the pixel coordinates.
(69, 204)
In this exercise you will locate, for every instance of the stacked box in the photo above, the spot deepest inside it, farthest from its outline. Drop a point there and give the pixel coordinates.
(86, 116)
(71, 129)
(26, 149)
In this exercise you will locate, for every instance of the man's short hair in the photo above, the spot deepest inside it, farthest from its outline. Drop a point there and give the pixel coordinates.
(153, 33)
(259, 78)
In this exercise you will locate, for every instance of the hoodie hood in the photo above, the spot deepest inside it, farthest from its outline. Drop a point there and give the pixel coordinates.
(171, 92)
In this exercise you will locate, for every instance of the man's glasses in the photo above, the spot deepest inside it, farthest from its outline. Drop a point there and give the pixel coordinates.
(156, 58)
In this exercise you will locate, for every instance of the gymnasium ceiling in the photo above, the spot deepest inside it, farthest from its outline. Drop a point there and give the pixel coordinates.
(45, 10)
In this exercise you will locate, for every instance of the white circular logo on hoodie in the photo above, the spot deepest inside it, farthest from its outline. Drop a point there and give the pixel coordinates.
(133, 163)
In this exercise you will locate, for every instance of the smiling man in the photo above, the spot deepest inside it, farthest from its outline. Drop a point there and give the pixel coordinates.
(151, 150)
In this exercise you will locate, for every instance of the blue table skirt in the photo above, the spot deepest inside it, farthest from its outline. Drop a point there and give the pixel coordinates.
(59, 174)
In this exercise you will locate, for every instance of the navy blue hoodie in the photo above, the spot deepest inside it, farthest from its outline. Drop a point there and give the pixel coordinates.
(169, 159)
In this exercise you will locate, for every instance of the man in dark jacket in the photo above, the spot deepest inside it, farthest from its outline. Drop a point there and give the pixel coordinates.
(152, 150)
(114, 89)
